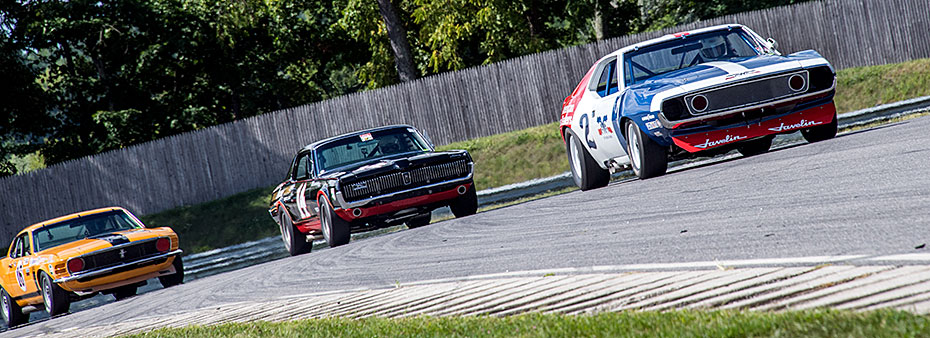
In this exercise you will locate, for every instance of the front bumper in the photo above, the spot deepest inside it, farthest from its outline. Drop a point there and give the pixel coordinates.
(389, 197)
(810, 117)
(86, 276)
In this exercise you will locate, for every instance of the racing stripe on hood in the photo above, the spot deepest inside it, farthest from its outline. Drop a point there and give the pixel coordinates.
(113, 239)
(729, 67)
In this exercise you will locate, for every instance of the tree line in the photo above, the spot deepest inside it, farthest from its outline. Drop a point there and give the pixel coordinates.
(82, 77)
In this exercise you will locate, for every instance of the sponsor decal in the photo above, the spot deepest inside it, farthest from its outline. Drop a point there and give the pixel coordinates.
(733, 76)
(678, 35)
(652, 125)
(565, 120)
(21, 274)
(366, 137)
(602, 122)
(359, 186)
(302, 201)
(649, 117)
(801, 124)
(656, 133)
(729, 138)
(568, 108)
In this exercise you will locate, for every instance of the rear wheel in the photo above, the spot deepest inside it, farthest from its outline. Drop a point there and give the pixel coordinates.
(177, 277)
(647, 157)
(821, 132)
(55, 298)
(419, 220)
(124, 292)
(466, 204)
(335, 229)
(756, 147)
(585, 171)
(294, 241)
(12, 313)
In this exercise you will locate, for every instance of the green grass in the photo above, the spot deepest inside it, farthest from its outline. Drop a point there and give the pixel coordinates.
(508, 158)
(823, 323)
(232, 220)
(864, 87)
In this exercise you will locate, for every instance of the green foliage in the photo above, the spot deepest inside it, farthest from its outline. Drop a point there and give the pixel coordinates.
(658, 14)
(864, 87)
(820, 323)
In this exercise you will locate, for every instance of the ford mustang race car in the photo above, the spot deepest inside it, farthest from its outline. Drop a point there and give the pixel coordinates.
(367, 180)
(696, 93)
(72, 257)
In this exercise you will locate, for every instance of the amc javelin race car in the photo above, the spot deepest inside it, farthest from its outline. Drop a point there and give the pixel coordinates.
(696, 93)
(367, 180)
(72, 257)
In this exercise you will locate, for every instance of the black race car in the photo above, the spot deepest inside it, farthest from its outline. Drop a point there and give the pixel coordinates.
(367, 180)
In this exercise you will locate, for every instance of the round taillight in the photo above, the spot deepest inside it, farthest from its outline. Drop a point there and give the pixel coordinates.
(796, 82)
(699, 103)
(162, 244)
(75, 265)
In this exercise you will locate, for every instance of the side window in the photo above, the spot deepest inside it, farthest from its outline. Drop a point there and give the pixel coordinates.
(18, 249)
(302, 167)
(607, 82)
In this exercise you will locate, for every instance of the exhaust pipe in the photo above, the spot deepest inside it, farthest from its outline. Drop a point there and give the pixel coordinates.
(461, 189)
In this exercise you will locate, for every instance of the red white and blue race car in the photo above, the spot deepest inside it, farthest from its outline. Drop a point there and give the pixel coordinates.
(696, 93)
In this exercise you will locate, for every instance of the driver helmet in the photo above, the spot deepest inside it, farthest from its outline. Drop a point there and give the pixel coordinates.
(713, 47)
(390, 144)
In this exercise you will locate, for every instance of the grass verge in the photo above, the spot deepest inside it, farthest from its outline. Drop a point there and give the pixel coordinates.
(823, 323)
(508, 158)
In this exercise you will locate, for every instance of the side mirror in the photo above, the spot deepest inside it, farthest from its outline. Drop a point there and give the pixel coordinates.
(772, 43)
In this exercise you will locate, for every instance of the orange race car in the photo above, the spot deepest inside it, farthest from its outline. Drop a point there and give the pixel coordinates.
(72, 257)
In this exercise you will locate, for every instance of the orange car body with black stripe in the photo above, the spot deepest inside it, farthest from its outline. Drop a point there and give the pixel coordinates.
(25, 262)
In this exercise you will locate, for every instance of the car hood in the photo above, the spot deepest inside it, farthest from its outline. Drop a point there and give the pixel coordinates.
(394, 163)
(86, 245)
(732, 69)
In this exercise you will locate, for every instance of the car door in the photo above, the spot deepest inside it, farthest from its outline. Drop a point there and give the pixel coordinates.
(19, 278)
(604, 111)
(302, 202)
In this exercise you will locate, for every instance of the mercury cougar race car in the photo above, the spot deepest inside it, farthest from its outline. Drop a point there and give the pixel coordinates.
(367, 180)
(696, 93)
(108, 250)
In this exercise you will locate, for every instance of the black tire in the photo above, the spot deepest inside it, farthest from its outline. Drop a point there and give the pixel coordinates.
(585, 171)
(419, 221)
(125, 291)
(294, 241)
(821, 132)
(647, 158)
(756, 147)
(466, 204)
(335, 229)
(175, 278)
(57, 301)
(12, 313)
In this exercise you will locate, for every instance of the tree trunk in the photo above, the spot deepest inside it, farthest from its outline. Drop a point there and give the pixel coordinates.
(598, 21)
(398, 36)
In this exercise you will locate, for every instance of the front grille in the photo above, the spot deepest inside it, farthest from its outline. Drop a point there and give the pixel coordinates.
(749, 93)
(405, 180)
(116, 256)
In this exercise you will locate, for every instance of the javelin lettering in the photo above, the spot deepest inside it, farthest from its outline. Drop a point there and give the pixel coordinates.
(708, 143)
(802, 124)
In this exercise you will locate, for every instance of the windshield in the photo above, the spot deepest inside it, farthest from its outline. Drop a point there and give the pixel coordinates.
(369, 146)
(53, 235)
(642, 64)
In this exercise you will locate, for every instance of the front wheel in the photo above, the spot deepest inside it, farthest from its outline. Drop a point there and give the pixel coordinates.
(56, 299)
(335, 229)
(821, 132)
(294, 241)
(466, 204)
(647, 157)
(585, 171)
(12, 313)
(177, 277)
(756, 147)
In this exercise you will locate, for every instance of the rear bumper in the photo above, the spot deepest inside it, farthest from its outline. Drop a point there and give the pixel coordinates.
(806, 118)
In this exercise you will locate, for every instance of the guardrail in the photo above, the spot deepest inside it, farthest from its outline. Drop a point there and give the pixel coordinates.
(271, 248)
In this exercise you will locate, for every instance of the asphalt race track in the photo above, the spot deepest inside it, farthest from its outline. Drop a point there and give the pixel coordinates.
(863, 193)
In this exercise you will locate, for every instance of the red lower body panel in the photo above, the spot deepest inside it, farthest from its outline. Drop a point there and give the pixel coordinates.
(800, 120)
(398, 205)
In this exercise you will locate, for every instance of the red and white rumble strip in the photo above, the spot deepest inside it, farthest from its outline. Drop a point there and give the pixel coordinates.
(855, 282)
